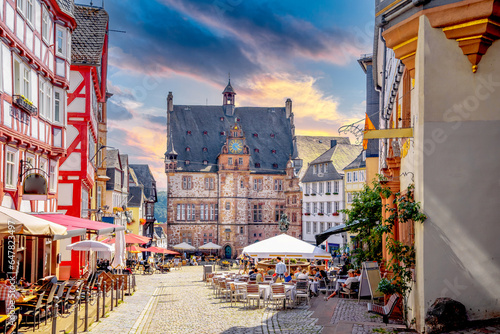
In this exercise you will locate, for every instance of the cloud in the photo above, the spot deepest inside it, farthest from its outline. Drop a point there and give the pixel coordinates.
(117, 112)
(159, 120)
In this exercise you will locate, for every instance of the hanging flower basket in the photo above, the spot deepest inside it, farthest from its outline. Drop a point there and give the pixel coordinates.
(117, 209)
(142, 221)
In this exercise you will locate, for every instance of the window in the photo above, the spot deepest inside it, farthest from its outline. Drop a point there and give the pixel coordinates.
(336, 206)
(349, 197)
(257, 212)
(349, 177)
(22, 83)
(308, 227)
(257, 184)
(240, 161)
(209, 183)
(314, 188)
(294, 217)
(314, 169)
(41, 97)
(204, 212)
(29, 10)
(315, 207)
(45, 25)
(229, 161)
(242, 184)
(320, 190)
(321, 227)
(85, 203)
(315, 227)
(228, 205)
(257, 165)
(256, 150)
(57, 107)
(308, 207)
(308, 188)
(321, 206)
(278, 185)
(336, 187)
(325, 167)
(10, 169)
(329, 187)
(328, 207)
(60, 42)
(279, 210)
(294, 199)
(241, 230)
(186, 182)
(320, 168)
(99, 196)
(53, 177)
(355, 176)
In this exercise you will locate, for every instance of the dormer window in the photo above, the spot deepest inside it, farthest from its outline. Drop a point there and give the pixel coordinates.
(205, 149)
(257, 165)
(256, 135)
(273, 151)
(315, 169)
(188, 149)
(205, 132)
(256, 150)
(188, 132)
(222, 133)
(237, 120)
(272, 135)
(205, 162)
(187, 162)
(222, 119)
(275, 165)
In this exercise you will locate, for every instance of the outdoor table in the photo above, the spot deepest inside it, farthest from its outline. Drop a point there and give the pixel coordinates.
(25, 299)
(4, 317)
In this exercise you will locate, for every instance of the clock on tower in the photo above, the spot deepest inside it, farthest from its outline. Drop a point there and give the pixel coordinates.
(235, 146)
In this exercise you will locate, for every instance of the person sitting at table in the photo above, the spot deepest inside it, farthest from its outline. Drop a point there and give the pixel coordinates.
(298, 271)
(260, 276)
(303, 275)
(347, 283)
(270, 271)
(288, 278)
(6, 289)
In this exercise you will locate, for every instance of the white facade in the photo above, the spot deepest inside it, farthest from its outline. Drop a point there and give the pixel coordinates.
(322, 202)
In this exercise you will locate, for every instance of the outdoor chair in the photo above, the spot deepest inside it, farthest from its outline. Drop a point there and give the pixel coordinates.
(33, 311)
(386, 310)
(278, 294)
(48, 301)
(352, 291)
(302, 289)
(235, 293)
(224, 290)
(63, 301)
(253, 293)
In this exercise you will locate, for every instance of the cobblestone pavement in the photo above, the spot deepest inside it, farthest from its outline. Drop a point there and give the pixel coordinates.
(180, 303)
(351, 310)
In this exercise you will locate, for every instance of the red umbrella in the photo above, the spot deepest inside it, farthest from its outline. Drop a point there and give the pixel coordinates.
(154, 249)
(136, 249)
(131, 239)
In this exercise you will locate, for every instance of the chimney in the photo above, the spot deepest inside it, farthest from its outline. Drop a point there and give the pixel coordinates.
(170, 102)
(288, 108)
(333, 143)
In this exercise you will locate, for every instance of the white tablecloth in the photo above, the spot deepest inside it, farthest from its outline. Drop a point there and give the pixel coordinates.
(265, 290)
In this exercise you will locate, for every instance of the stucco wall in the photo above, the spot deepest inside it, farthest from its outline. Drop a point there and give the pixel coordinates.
(457, 172)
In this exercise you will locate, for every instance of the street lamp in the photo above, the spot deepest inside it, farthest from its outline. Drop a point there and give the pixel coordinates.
(99, 150)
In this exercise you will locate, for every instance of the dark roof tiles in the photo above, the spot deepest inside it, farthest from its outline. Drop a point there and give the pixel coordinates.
(88, 38)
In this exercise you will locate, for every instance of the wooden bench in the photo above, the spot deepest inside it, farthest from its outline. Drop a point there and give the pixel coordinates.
(385, 310)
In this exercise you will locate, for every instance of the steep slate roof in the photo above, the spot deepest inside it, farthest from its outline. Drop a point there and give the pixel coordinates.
(337, 158)
(112, 159)
(145, 177)
(87, 40)
(357, 163)
(310, 147)
(67, 6)
(229, 88)
(135, 194)
(159, 232)
(262, 121)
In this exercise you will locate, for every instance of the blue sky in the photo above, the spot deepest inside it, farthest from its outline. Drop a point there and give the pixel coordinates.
(303, 50)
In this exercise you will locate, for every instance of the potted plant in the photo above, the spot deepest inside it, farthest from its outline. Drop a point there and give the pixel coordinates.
(386, 287)
(335, 214)
(335, 193)
(307, 213)
(142, 221)
(327, 193)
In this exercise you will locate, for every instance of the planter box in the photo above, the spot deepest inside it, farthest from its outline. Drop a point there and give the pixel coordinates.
(335, 214)
(335, 193)
(306, 194)
(321, 214)
(327, 194)
(307, 214)
(25, 105)
(313, 194)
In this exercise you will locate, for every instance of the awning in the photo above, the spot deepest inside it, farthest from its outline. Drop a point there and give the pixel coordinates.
(13, 221)
(320, 237)
(91, 226)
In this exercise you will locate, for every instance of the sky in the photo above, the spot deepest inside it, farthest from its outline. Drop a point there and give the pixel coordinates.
(273, 50)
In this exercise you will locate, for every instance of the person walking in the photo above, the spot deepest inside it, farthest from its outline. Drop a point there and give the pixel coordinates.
(280, 268)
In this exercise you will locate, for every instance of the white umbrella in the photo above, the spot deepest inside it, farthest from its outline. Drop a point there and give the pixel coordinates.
(210, 245)
(90, 245)
(184, 246)
(23, 223)
(119, 260)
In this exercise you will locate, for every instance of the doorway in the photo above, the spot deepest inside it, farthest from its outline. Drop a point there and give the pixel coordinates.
(227, 252)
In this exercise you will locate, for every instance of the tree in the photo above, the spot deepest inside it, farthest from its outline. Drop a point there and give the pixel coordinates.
(362, 220)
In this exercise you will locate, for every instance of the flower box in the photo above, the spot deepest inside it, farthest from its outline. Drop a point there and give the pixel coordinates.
(307, 214)
(335, 214)
(321, 214)
(335, 193)
(327, 194)
(25, 104)
(313, 194)
(306, 194)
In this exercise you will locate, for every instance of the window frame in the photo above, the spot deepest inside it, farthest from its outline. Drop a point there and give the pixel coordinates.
(63, 39)
(12, 176)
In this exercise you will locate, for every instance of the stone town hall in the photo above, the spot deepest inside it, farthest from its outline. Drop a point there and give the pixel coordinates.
(231, 173)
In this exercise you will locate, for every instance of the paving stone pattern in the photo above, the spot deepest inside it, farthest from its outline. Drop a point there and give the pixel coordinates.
(179, 303)
(351, 310)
